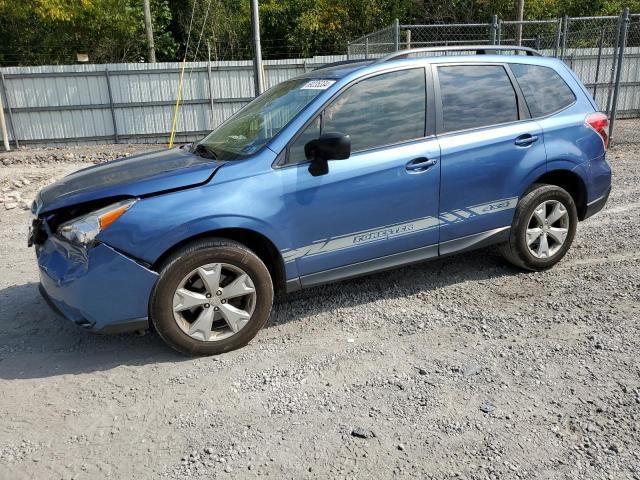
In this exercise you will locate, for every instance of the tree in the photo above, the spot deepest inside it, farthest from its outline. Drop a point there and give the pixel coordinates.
(34, 32)
(54, 31)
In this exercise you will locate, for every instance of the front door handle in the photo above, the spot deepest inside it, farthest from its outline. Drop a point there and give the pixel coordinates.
(525, 140)
(420, 164)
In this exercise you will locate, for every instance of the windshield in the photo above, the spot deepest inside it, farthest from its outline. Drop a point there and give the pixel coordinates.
(257, 123)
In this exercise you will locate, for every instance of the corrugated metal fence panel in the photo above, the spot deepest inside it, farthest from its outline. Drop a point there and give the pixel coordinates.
(44, 90)
(71, 104)
(584, 63)
(629, 96)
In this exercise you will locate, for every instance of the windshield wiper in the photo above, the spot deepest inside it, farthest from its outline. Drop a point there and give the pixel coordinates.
(204, 151)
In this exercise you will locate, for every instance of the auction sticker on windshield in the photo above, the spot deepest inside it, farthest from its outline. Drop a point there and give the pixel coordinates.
(317, 85)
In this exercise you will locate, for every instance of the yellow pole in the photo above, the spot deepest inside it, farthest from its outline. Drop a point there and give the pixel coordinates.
(175, 113)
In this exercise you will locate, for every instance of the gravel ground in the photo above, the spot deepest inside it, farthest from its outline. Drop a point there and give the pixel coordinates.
(463, 367)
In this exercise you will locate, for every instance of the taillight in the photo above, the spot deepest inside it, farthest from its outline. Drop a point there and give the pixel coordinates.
(599, 122)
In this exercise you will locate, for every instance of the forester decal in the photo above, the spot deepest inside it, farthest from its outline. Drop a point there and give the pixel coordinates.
(460, 215)
(449, 218)
(396, 230)
(361, 238)
(492, 207)
(463, 213)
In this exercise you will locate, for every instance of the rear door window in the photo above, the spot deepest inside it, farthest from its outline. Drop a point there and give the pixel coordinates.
(544, 89)
(476, 96)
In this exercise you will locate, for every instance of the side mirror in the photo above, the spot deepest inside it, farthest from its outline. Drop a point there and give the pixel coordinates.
(330, 146)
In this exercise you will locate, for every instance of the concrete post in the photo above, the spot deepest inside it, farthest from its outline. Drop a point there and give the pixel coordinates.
(148, 26)
(257, 50)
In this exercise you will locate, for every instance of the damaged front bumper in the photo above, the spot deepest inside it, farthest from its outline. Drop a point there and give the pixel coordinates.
(96, 287)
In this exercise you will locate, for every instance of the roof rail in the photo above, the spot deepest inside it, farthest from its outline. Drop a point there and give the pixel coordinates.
(479, 50)
(341, 62)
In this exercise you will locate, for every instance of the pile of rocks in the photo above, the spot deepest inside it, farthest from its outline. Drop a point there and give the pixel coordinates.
(86, 154)
(47, 164)
(12, 195)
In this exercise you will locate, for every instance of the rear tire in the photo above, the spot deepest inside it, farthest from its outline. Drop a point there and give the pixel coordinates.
(212, 296)
(543, 228)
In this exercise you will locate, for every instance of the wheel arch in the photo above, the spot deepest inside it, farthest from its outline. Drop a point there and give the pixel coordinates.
(262, 246)
(572, 183)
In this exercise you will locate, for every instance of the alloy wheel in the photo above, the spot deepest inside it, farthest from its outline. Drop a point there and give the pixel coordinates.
(214, 301)
(547, 229)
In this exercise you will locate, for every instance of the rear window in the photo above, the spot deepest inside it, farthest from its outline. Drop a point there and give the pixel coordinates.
(544, 90)
(476, 96)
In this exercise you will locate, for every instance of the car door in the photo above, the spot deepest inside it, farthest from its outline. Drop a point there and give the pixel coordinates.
(380, 201)
(488, 146)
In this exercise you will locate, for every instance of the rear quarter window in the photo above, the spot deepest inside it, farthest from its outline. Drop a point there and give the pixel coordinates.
(544, 89)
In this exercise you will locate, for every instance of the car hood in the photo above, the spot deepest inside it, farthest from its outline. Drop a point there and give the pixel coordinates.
(135, 176)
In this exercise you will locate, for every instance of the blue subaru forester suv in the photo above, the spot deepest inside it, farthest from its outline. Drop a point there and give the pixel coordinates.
(346, 170)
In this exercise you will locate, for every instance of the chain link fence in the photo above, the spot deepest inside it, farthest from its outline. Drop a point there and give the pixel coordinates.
(375, 44)
(588, 38)
(631, 93)
(418, 36)
(539, 34)
(603, 51)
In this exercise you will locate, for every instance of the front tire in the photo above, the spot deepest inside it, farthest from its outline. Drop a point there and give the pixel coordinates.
(543, 228)
(212, 296)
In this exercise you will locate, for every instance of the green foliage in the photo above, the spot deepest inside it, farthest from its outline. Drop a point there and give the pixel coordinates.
(36, 32)
(54, 31)
(227, 28)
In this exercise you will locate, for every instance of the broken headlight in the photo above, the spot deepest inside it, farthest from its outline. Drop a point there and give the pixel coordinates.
(84, 229)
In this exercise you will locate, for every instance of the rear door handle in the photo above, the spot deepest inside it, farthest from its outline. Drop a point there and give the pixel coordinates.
(420, 164)
(525, 140)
